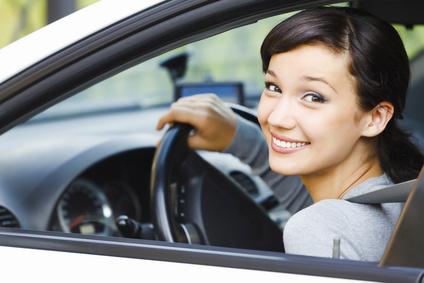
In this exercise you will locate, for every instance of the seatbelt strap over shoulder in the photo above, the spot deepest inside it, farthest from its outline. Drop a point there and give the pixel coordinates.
(394, 193)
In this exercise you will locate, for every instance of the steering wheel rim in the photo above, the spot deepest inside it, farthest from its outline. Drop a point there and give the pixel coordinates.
(164, 223)
(214, 203)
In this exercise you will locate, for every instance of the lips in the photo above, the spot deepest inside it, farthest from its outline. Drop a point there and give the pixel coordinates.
(287, 145)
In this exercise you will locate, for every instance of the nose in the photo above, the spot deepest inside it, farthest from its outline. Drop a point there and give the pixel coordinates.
(282, 114)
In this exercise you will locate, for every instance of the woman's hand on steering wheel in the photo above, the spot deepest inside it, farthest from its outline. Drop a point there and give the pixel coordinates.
(215, 123)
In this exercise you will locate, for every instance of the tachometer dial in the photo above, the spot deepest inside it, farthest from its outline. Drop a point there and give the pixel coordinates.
(84, 209)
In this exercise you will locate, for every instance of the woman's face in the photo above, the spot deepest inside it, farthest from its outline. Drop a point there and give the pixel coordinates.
(309, 113)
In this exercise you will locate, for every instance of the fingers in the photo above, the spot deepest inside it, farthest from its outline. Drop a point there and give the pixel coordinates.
(215, 123)
(191, 110)
(178, 112)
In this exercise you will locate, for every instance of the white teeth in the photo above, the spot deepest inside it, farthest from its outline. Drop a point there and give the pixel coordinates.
(287, 144)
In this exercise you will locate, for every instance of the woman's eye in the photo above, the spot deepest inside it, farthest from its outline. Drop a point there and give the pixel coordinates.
(314, 98)
(272, 87)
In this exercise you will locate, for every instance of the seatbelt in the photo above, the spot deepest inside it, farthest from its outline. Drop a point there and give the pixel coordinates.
(394, 193)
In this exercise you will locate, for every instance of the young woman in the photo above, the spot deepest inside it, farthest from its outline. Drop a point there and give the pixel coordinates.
(336, 79)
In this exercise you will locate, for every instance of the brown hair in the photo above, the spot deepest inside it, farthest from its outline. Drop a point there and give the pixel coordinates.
(378, 62)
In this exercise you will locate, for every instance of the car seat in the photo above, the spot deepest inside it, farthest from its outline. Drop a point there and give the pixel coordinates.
(414, 113)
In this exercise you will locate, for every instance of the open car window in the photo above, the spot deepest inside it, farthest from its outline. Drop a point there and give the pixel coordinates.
(130, 103)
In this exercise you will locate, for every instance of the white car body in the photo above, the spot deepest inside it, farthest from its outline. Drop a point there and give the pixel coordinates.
(94, 268)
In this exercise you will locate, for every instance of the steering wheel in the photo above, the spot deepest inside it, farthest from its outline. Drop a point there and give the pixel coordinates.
(194, 202)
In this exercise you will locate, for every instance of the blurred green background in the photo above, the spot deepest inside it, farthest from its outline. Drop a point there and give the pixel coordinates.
(21, 17)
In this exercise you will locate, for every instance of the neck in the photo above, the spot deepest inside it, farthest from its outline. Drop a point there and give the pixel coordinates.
(336, 182)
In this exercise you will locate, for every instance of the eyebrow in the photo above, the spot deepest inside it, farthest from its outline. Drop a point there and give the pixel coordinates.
(309, 78)
(271, 73)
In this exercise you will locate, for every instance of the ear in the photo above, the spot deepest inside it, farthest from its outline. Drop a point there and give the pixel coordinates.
(378, 118)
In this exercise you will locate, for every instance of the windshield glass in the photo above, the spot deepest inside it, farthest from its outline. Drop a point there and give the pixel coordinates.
(150, 84)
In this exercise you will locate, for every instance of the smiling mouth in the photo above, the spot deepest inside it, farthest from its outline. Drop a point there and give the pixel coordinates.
(284, 144)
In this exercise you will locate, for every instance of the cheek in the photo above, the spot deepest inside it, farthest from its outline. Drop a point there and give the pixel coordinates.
(330, 127)
(264, 109)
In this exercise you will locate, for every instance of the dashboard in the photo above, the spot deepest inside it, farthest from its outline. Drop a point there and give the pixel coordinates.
(117, 185)
(78, 175)
(81, 183)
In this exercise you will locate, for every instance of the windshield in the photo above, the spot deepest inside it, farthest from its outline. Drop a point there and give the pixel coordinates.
(150, 84)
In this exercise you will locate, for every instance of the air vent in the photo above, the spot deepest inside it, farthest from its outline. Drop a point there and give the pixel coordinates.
(245, 182)
(7, 219)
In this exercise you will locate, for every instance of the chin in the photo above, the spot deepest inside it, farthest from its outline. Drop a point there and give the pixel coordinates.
(284, 169)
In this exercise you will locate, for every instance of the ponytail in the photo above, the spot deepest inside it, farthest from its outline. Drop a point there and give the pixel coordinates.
(399, 157)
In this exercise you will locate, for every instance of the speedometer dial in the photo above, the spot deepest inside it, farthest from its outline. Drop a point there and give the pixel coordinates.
(83, 208)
